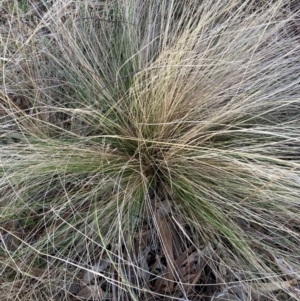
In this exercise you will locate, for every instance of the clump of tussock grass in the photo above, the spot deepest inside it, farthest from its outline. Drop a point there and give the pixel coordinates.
(138, 135)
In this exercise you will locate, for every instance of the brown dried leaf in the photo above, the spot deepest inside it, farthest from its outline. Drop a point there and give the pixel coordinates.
(164, 208)
(190, 278)
(180, 259)
(271, 287)
(91, 274)
(245, 291)
(239, 292)
(166, 238)
(287, 268)
(93, 292)
(226, 297)
(191, 258)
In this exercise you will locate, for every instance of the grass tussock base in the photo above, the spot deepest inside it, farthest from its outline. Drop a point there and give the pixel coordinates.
(150, 150)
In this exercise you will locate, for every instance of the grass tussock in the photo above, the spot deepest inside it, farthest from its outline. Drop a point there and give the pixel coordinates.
(150, 150)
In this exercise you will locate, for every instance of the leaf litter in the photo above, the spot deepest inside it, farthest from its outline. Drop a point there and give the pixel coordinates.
(162, 260)
(159, 268)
